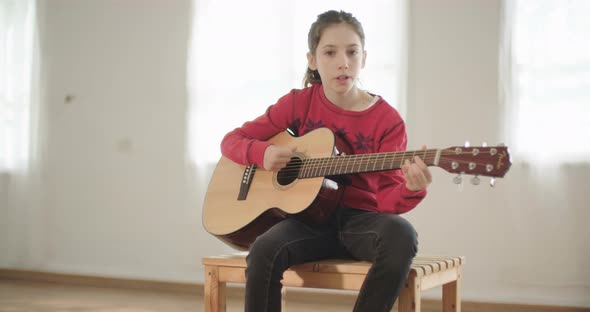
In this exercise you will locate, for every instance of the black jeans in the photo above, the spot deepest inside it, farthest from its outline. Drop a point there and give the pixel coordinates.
(388, 241)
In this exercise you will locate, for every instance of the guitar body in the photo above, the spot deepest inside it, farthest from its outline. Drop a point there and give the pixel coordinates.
(238, 222)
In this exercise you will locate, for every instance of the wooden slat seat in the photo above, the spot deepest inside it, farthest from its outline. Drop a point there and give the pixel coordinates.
(426, 272)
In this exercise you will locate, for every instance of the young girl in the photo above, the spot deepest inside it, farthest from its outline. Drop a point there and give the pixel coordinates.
(367, 225)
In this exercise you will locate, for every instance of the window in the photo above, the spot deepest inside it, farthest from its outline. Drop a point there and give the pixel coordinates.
(548, 51)
(245, 58)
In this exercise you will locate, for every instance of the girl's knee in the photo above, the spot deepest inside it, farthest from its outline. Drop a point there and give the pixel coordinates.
(262, 250)
(397, 226)
(399, 238)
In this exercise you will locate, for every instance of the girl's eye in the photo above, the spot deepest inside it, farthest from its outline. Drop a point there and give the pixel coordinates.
(354, 52)
(330, 53)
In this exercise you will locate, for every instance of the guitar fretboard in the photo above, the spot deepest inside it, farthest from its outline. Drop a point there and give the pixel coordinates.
(348, 164)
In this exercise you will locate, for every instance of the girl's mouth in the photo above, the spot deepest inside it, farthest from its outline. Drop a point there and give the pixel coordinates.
(342, 78)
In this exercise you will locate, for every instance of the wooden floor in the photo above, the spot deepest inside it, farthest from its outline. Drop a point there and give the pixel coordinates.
(17, 295)
(26, 296)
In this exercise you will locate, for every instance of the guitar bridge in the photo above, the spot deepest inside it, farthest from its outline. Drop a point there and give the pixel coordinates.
(246, 181)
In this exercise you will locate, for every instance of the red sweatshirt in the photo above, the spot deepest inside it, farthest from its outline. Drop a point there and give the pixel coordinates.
(379, 128)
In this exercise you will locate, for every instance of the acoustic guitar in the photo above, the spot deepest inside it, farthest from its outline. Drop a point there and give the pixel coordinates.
(243, 202)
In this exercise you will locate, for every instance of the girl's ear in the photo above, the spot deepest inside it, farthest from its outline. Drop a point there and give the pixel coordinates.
(311, 61)
(364, 58)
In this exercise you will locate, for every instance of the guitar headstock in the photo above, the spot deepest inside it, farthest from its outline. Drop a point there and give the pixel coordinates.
(490, 161)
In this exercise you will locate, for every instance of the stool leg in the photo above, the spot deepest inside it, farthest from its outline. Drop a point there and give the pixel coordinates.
(284, 299)
(452, 294)
(214, 290)
(409, 298)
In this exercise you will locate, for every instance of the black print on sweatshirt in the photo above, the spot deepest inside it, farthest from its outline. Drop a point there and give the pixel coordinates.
(295, 126)
(363, 143)
(340, 132)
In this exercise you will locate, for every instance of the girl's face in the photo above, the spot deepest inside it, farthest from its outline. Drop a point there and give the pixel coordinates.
(339, 58)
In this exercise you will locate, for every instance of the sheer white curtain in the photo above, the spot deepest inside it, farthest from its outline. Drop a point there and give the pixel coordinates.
(17, 31)
(246, 54)
(21, 221)
(546, 79)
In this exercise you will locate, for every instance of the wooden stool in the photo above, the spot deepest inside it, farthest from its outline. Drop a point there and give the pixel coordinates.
(427, 272)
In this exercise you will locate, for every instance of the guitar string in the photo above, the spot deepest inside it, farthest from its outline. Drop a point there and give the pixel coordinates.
(367, 165)
(405, 154)
(321, 163)
(298, 174)
(325, 163)
(313, 166)
(357, 160)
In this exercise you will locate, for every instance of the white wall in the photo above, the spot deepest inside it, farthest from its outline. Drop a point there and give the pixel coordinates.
(120, 198)
(524, 242)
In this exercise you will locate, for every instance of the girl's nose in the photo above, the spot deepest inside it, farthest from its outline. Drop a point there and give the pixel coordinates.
(343, 65)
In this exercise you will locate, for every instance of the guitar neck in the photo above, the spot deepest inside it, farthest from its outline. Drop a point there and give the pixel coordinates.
(349, 164)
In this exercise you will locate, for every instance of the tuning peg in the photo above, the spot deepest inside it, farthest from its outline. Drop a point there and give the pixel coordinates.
(493, 182)
(458, 179)
(467, 144)
(475, 180)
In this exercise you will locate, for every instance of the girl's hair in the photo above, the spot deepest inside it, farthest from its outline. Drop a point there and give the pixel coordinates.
(325, 20)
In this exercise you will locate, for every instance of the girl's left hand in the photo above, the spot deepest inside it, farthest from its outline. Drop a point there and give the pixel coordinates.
(417, 174)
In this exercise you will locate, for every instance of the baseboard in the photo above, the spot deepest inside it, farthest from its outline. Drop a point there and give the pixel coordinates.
(294, 294)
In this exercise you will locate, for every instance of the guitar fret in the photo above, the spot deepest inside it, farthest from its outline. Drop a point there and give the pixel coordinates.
(316, 168)
(332, 170)
(360, 162)
(302, 171)
(318, 171)
(325, 166)
(402, 160)
(347, 164)
(374, 165)
(335, 166)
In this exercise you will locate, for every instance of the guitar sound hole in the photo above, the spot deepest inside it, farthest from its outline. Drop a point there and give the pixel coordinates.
(290, 173)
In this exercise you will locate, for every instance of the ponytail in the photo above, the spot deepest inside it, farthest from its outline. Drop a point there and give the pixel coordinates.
(311, 77)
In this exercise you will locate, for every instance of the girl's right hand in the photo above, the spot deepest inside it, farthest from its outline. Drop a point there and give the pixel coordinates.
(277, 157)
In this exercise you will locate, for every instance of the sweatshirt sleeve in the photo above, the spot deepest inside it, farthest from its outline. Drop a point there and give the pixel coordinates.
(392, 194)
(246, 145)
